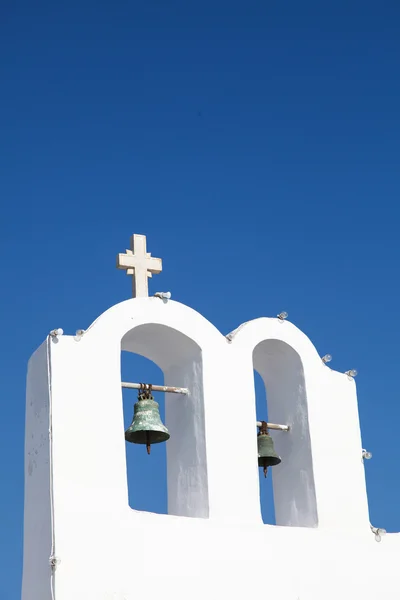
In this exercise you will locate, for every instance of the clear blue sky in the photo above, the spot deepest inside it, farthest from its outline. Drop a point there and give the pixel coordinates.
(198, 123)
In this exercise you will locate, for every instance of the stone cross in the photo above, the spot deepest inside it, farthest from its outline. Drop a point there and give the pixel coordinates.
(140, 264)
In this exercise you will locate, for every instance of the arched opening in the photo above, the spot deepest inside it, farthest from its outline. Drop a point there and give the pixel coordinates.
(179, 360)
(266, 491)
(147, 474)
(281, 370)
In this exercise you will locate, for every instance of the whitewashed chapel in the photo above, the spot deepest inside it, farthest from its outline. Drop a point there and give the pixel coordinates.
(82, 541)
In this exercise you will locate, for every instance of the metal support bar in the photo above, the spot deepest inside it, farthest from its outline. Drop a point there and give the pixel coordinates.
(185, 391)
(275, 426)
(155, 388)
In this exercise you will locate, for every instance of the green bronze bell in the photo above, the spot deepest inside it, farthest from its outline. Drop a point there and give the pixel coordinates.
(146, 427)
(267, 457)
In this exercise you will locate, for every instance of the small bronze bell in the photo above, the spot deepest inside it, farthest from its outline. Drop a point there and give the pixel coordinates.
(267, 457)
(146, 427)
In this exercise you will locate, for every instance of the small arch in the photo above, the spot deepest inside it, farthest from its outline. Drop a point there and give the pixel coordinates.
(180, 360)
(281, 369)
(266, 490)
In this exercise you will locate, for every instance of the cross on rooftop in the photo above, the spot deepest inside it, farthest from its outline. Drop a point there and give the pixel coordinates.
(140, 264)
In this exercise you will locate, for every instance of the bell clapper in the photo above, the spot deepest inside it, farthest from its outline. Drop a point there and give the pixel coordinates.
(148, 445)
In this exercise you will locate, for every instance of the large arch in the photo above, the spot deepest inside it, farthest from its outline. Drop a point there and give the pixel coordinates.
(180, 359)
(146, 475)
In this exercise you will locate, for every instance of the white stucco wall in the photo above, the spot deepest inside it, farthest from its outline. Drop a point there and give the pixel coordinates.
(38, 489)
(324, 547)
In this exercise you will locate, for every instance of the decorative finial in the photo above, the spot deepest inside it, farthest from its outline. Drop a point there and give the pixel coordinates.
(140, 264)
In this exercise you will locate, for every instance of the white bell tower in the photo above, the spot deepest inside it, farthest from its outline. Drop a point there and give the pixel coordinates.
(82, 541)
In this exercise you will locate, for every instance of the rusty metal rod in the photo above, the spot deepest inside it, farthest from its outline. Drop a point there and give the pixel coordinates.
(155, 388)
(275, 426)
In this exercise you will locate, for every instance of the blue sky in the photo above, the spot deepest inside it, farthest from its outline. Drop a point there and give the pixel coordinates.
(196, 124)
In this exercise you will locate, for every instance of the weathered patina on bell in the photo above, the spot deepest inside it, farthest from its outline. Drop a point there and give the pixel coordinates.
(146, 427)
(267, 457)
